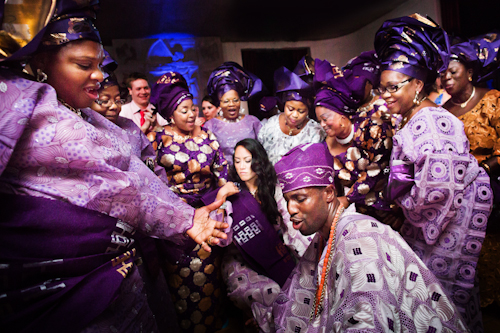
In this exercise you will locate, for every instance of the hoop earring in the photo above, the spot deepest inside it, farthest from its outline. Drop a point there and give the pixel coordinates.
(41, 76)
(416, 101)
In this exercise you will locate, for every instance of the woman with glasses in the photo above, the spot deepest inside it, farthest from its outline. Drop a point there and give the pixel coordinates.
(357, 136)
(109, 106)
(445, 195)
(228, 85)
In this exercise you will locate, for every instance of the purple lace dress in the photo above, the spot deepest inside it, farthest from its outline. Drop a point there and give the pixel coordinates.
(228, 133)
(447, 206)
(376, 284)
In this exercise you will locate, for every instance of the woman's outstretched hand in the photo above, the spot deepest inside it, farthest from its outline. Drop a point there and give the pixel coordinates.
(206, 231)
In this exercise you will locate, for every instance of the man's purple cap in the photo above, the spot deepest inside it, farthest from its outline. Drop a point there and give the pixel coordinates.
(168, 92)
(306, 165)
(290, 87)
(479, 53)
(268, 103)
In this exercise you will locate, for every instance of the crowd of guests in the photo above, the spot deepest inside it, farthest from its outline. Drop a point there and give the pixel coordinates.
(359, 203)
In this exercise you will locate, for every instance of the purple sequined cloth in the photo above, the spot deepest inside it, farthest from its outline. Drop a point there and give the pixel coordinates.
(376, 284)
(447, 209)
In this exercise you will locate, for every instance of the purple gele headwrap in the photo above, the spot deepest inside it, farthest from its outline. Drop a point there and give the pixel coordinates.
(413, 45)
(290, 87)
(268, 103)
(70, 20)
(168, 92)
(332, 89)
(361, 69)
(305, 69)
(306, 165)
(479, 53)
(231, 76)
(108, 66)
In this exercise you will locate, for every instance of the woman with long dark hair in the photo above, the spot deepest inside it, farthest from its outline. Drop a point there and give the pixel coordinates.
(257, 218)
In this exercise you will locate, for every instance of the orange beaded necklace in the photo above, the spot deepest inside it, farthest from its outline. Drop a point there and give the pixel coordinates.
(327, 263)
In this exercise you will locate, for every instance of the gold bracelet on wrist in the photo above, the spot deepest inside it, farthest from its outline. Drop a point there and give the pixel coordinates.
(486, 167)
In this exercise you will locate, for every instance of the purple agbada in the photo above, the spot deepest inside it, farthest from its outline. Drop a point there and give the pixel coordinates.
(447, 203)
(231, 76)
(479, 53)
(422, 47)
(376, 284)
(169, 91)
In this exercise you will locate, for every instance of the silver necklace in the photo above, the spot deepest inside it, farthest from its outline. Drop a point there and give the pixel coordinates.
(464, 104)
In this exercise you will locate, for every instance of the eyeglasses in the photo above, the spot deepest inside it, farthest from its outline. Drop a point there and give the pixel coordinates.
(394, 87)
(227, 101)
(109, 102)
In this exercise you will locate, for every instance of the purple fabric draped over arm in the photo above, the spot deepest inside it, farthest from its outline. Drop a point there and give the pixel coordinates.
(46, 150)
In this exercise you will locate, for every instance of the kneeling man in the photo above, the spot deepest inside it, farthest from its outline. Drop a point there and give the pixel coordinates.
(357, 273)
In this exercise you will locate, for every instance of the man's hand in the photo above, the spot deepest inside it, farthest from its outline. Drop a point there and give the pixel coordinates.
(206, 231)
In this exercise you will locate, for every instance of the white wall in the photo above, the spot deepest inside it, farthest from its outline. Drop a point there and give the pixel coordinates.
(340, 50)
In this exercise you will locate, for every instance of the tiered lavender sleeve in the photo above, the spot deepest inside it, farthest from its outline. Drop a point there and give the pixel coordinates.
(447, 209)
(376, 284)
(46, 150)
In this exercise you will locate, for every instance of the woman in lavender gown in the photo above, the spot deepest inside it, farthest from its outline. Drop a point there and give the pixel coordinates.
(73, 194)
(228, 85)
(265, 244)
(445, 195)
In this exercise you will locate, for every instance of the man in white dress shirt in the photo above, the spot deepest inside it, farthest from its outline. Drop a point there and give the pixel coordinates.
(139, 109)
